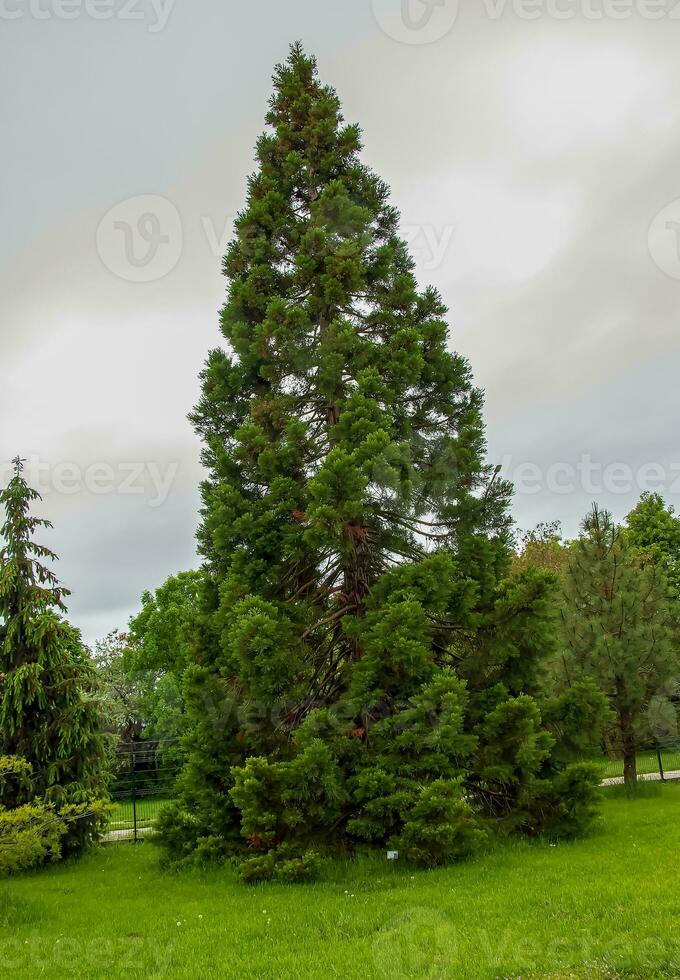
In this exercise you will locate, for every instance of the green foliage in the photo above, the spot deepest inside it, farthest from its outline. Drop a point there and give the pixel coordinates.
(121, 693)
(281, 865)
(15, 777)
(365, 668)
(577, 717)
(544, 548)
(159, 649)
(653, 531)
(30, 836)
(262, 649)
(50, 713)
(32, 833)
(161, 633)
(441, 826)
(568, 805)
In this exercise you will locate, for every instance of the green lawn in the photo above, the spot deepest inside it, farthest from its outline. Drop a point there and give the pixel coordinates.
(605, 906)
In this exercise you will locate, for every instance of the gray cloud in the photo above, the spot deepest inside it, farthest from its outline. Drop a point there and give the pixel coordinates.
(528, 160)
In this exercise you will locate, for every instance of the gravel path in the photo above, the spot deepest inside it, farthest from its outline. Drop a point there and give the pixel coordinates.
(647, 777)
(114, 835)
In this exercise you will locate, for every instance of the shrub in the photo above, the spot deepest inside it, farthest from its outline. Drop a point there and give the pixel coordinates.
(30, 836)
(440, 827)
(281, 865)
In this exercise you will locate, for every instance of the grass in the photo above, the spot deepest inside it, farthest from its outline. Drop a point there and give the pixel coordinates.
(605, 906)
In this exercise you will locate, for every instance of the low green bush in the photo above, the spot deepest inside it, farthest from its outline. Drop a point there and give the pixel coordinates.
(37, 832)
(30, 836)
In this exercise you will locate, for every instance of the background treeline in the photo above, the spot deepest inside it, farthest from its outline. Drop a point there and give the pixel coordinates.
(615, 612)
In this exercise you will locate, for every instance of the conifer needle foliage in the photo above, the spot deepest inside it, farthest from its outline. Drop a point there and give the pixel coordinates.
(49, 710)
(366, 672)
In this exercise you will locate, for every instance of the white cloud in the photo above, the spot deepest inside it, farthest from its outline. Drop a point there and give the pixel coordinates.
(505, 231)
(562, 95)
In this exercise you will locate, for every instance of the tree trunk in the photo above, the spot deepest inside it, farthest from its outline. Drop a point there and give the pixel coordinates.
(628, 740)
(629, 765)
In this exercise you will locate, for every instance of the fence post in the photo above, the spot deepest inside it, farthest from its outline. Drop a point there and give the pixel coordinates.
(134, 797)
(658, 755)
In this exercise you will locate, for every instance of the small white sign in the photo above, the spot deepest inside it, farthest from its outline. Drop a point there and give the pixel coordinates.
(392, 855)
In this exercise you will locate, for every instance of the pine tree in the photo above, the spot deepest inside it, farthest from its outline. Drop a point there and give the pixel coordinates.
(358, 631)
(49, 712)
(617, 629)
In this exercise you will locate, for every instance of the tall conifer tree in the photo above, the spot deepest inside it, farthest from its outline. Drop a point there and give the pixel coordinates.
(354, 537)
(49, 713)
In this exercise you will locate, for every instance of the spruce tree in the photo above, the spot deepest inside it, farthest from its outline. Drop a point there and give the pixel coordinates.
(49, 711)
(618, 631)
(365, 669)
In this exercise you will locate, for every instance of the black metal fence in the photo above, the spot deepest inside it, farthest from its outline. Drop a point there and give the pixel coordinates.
(145, 774)
(656, 762)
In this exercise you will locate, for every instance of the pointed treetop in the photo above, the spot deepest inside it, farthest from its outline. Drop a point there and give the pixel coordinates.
(18, 464)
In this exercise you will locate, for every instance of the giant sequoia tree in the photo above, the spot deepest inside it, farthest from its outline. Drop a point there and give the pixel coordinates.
(49, 712)
(365, 668)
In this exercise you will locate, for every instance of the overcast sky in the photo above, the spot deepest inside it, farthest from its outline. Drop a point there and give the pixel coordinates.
(536, 163)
